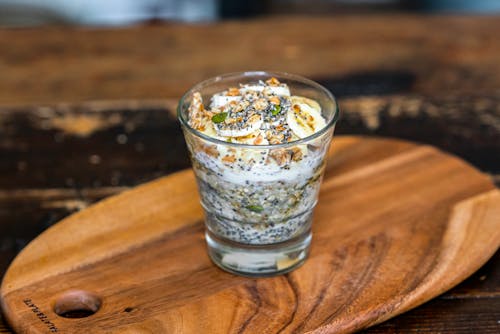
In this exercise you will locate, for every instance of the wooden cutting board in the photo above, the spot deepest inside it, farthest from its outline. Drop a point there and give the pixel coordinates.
(396, 225)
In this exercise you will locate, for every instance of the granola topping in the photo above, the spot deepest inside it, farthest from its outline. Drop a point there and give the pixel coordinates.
(262, 109)
(261, 113)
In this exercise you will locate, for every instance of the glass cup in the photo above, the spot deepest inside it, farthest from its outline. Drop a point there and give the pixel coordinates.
(259, 199)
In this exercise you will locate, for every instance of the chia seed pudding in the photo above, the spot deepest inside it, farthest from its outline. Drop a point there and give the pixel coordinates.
(256, 186)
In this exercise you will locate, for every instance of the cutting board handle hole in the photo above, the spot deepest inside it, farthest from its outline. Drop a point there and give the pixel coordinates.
(77, 304)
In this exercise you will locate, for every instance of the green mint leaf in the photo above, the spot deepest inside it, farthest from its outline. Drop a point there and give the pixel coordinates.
(255, 208)
(276, 110)
(219, 118)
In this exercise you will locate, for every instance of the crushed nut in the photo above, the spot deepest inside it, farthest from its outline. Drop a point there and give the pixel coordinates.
(297, 154)
(260, 104)
(259, 140)
(272, 81)
(229, 159)
(280, 127)
(275, 100)
(254, 118)
(233, 91)
(281, 156)
(275, 137)
(210, 150)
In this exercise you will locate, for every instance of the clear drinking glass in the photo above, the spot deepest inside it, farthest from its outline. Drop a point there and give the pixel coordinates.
(259, 206)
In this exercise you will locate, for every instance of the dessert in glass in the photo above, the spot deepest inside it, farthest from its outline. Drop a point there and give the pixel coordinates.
(257, 142)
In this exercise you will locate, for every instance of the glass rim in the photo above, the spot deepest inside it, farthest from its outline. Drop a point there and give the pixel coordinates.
(295, 77)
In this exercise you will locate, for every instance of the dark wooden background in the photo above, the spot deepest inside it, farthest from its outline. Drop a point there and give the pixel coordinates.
(87, 113)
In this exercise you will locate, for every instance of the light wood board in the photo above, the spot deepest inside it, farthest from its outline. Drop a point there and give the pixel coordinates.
(396, 225)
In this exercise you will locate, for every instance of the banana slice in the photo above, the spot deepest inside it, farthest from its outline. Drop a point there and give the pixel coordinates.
(252, 156)
(219, 100)
(255, 138)
(304, 119)
(233, 128)
(304, 100)
(209, 130)
(276, 90)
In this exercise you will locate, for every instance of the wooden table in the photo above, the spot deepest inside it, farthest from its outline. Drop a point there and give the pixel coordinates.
(430, 79)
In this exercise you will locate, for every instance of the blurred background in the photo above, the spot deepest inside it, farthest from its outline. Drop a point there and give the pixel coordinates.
(126, 12)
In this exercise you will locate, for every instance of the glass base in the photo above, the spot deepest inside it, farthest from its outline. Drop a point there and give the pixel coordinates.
(258, 260)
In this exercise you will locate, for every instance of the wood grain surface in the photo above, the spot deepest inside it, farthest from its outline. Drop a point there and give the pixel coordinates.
(397, 224)
(61, 158)
(358, 54)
